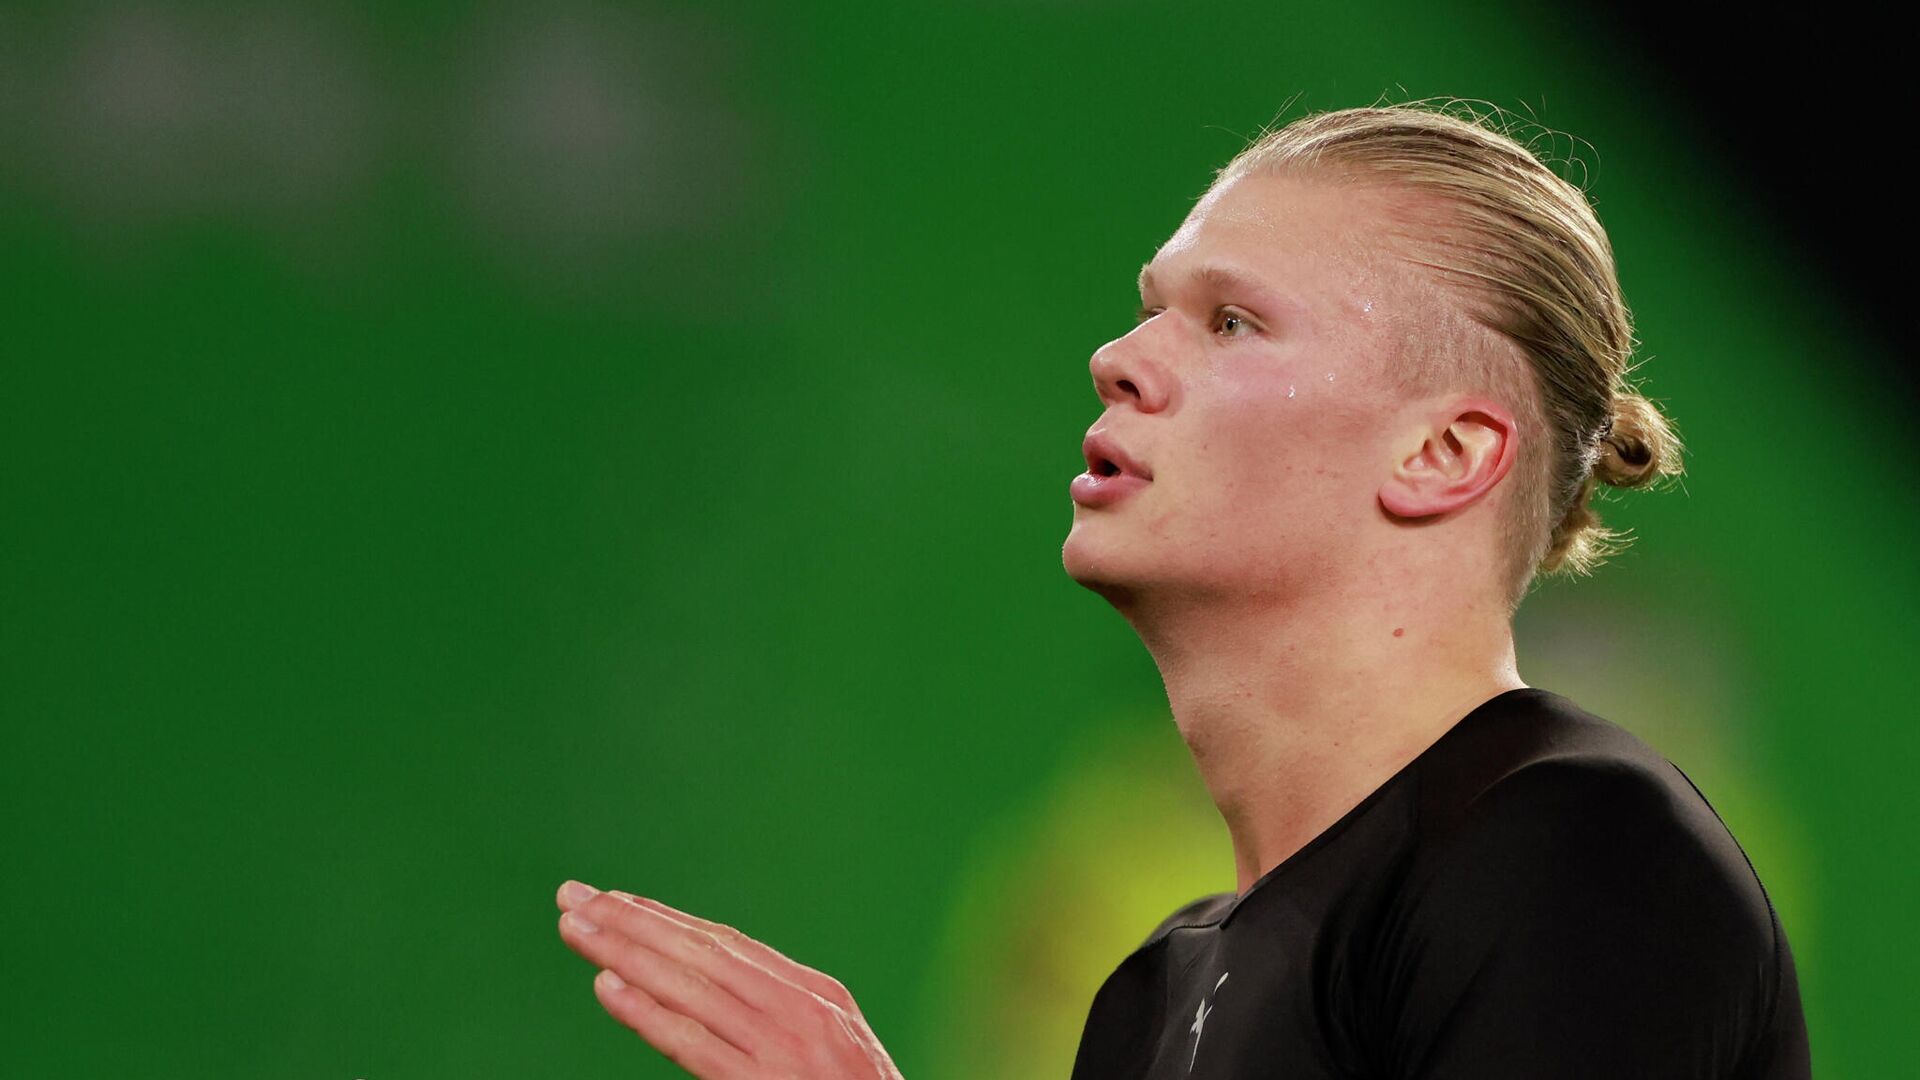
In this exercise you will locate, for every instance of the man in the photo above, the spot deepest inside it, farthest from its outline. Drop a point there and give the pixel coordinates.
(1378, 372)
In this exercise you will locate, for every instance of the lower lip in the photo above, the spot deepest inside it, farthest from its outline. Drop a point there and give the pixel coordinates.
(1092, 489)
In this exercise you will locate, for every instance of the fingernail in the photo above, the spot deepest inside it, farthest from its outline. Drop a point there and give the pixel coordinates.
(579, 923)
(573, 892)
(611, 981)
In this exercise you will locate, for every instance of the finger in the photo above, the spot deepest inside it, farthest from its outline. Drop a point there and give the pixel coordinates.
(574, 893)
(792, 971)
(704, 952)
(665, 980)
(684, 1040)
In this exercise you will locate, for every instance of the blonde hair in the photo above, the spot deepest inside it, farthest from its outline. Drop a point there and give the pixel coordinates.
(1524, 251)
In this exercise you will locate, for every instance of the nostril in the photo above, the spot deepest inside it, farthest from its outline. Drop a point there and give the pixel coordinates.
(1127, 386)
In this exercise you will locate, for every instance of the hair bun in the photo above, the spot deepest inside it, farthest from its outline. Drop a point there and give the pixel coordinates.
(1637, 444)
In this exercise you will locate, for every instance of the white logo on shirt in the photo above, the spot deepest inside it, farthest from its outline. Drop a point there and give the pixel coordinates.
(1200, 1012)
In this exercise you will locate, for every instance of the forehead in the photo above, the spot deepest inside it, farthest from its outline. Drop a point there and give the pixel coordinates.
(1324, 245)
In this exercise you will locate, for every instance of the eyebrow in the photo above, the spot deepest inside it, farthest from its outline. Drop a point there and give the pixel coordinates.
(1225, 278)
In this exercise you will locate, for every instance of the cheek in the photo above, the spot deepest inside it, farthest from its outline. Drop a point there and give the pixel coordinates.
(1278, 454)
(1259, 437)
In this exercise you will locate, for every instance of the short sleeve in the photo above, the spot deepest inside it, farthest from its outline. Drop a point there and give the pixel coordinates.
(1586, 920)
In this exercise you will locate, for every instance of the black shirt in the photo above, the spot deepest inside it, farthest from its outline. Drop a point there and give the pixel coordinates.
(1538, 894)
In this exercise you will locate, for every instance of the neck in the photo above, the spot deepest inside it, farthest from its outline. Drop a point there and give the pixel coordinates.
(1295, 713)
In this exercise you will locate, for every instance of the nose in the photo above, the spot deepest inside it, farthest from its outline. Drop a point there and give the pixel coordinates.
(1123, 373)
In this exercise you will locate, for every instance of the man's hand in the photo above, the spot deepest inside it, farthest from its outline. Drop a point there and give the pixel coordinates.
(717, 1003)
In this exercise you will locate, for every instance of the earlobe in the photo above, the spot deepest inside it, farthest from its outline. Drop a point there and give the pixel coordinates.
(1457, 461)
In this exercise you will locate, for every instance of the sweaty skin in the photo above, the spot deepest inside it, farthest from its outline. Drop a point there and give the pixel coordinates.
(1314, 564)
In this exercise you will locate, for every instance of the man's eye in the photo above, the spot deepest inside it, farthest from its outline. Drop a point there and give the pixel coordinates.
(1225, 317)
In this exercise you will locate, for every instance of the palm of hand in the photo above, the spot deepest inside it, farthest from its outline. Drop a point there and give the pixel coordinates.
(716, 1002)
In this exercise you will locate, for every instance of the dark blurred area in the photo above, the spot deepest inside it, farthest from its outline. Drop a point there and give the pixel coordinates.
(1803, 102)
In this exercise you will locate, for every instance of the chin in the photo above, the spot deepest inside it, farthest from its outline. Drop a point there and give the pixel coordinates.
(1095, 569)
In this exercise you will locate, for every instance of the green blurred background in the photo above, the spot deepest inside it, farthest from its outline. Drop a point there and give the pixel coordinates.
(453, 449)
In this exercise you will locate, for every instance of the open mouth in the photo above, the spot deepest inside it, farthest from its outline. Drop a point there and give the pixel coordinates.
(1106, 461)
(1111, 475)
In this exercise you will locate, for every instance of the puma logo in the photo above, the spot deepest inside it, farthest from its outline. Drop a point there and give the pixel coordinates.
(1200, 1021)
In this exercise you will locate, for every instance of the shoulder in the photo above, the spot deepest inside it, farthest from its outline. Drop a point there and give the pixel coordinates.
(1597, 822)
(1544, 781)
(1581, 877)
(1584, 832)
(1552, 791)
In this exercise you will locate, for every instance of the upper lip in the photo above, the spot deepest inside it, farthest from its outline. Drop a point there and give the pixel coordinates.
(1100, 447)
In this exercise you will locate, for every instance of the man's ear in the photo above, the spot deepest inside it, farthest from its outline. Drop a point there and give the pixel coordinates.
(1451, 456)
